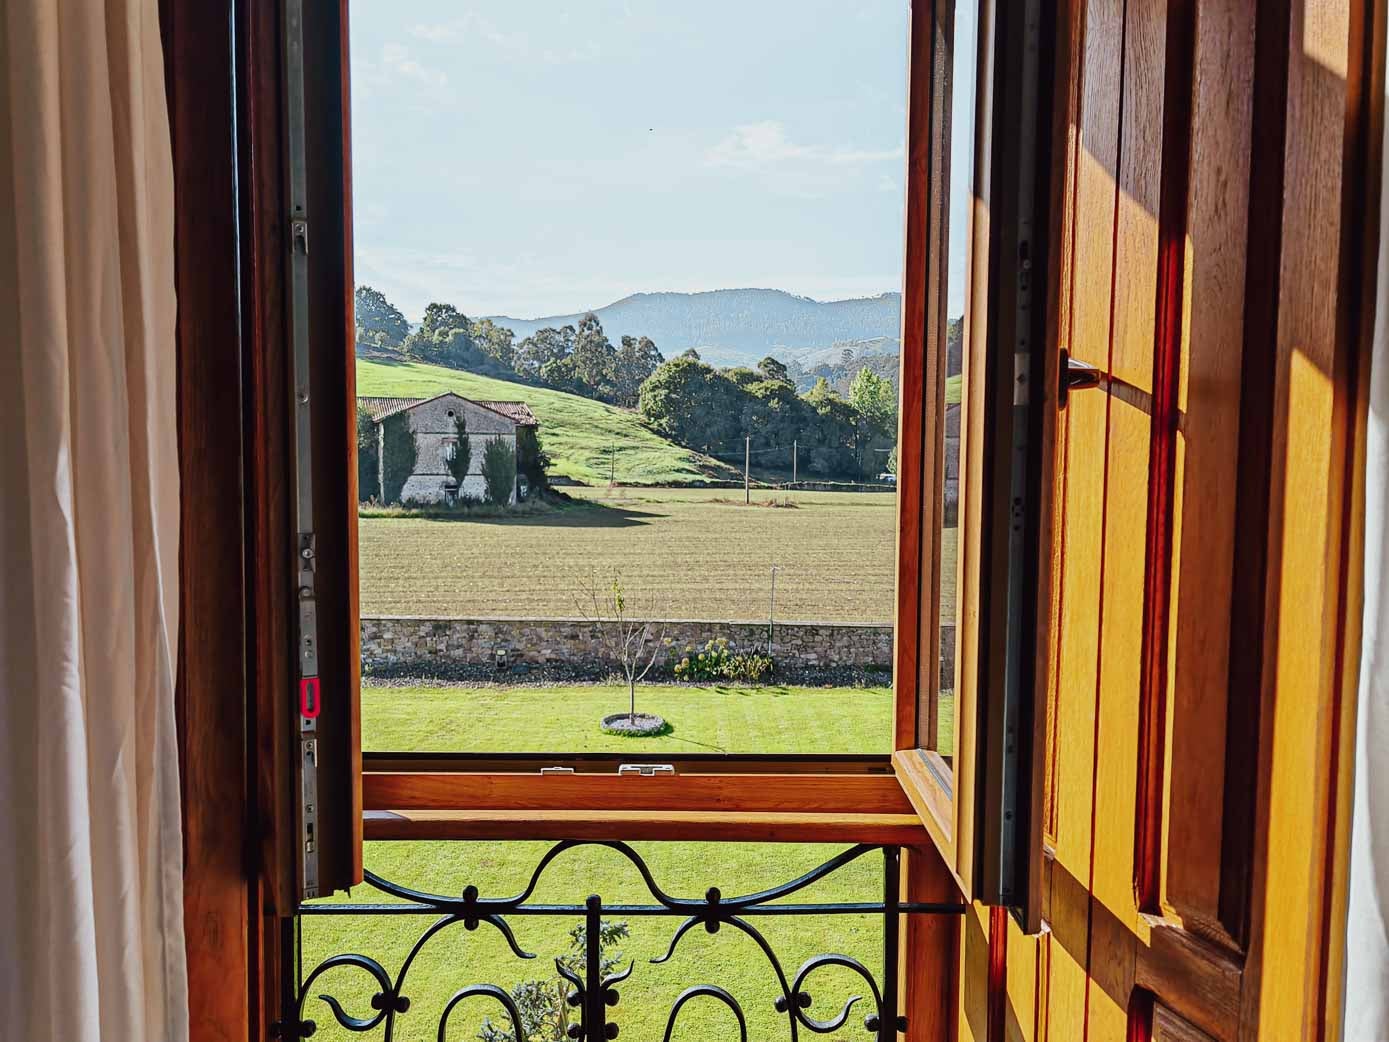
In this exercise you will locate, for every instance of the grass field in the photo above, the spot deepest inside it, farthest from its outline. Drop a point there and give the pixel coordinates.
(710, 557)
(577, 432)
(770, 719)
(704, 554)
(713, 719)
(457, 958)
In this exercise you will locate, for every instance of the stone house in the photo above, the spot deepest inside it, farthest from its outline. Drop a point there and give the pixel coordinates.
(434, 421)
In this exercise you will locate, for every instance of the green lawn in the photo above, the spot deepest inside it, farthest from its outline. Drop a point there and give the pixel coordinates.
(577, 432)
(457, 958)
(706, 719)
(700, 552)
(714, 719)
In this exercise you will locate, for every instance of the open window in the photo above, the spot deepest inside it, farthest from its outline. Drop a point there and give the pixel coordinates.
(974, 514)
(935, 562)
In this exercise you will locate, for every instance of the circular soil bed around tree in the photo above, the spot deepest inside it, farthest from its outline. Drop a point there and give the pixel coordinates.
(641, 725)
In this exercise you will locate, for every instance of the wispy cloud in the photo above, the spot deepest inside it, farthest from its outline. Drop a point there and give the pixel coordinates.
(758, 146)
(397, 59)
(474, 27)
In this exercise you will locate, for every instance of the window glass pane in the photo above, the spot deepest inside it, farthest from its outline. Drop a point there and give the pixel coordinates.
(959, 165)
(627, 330)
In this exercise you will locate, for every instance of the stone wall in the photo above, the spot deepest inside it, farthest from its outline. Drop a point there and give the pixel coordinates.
(400, 642)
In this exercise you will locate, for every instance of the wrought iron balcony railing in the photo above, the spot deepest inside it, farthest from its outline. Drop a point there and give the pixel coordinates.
(594, 987)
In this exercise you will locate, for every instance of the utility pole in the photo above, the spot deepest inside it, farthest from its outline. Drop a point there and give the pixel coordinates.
(612, 465)
(771, 615)
(747, 460)
(795, 445)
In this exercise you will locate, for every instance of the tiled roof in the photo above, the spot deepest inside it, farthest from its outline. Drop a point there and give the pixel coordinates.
(518, 413)
(378, 407)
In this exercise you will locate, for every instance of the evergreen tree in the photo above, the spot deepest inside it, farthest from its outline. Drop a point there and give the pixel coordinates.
(545, 347)
(771, 369)
(462, 454)
(444, 338)
(379, 323)
(499, 471)
(368, 474)
(531, 459)
(637, 359)
(400, 451)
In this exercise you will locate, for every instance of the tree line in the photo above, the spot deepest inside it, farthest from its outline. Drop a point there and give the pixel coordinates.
(689, 401)
(579, 359)
(714, 410)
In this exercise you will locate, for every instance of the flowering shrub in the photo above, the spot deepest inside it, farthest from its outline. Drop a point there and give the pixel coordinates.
(719, 661)
(750, 666)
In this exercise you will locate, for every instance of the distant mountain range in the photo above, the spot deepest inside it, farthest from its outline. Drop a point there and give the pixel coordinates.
(740, 326)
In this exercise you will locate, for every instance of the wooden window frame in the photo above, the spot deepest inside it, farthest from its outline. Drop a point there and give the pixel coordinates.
(941, 790)
(809, 804)
(795, 798)
(233, 678)
(989, 837)
(957, 806)
(236, 691)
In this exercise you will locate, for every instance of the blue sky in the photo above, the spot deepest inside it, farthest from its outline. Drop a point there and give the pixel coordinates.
(541, 157)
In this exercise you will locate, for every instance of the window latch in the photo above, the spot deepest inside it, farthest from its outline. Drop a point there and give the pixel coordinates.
(1076, 376)
(646, 770)
(299, 235)
(557, 770)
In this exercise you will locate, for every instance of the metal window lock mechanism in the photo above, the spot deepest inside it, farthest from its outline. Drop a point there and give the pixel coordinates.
(309, 703)
(646, 770)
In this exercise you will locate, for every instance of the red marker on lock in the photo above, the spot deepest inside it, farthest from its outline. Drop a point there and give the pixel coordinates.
(308, 698)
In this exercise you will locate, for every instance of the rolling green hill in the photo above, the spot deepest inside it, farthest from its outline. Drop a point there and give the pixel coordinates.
(578, 433)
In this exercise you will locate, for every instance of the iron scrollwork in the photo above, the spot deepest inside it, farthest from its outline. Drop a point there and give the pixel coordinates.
(594, 989)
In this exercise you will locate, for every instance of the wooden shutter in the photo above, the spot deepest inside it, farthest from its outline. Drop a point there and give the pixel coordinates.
(1198, 711)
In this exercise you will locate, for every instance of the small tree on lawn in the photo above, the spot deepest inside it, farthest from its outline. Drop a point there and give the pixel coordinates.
(400, 451)
(633, 643)
(499, 471)
(462, 455)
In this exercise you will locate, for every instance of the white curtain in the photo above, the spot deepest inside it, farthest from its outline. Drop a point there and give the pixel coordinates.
(91, 931)
(1367, 935)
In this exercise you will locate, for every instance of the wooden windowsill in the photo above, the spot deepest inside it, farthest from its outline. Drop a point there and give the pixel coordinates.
(799, 808)
(754, 827)
(864, 794)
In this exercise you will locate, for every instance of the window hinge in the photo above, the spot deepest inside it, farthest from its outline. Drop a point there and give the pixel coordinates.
(646, 770)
